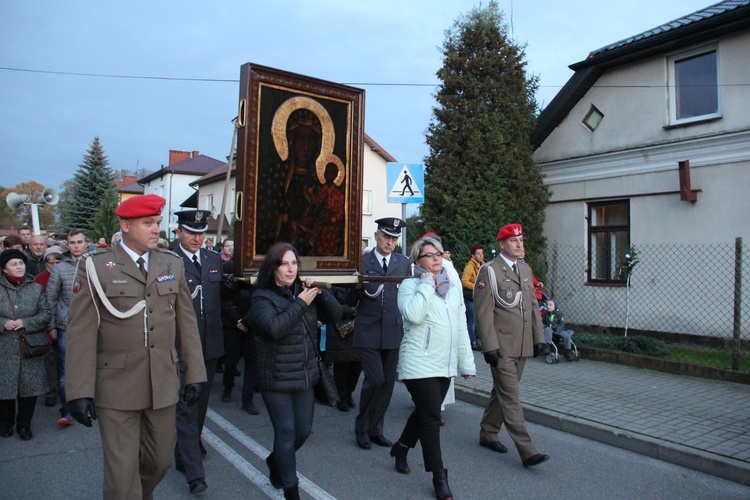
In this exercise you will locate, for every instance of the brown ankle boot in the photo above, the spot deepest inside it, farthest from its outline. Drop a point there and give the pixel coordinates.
(440, 482)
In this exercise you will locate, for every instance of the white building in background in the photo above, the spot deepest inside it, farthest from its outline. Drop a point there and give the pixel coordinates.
(374, 197)
(173, 182)
(648, 144)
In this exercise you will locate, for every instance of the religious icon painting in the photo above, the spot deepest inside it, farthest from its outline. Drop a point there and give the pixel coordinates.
(299, 170)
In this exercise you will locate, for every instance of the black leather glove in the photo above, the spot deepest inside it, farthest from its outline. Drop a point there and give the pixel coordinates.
(83, 410)
(492, 357)
(541, 350)
(192, 393)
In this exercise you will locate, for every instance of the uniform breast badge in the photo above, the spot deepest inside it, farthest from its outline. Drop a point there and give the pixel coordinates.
(110, 265)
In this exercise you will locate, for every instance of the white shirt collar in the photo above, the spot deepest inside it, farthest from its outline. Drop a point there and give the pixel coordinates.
(133, 254)
(381, 257)
(510, 264)
(191, 254)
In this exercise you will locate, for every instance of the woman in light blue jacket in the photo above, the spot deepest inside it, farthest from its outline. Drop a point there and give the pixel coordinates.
(435, 346)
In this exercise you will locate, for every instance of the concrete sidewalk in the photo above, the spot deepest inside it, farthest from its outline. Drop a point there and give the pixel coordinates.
(696, 423)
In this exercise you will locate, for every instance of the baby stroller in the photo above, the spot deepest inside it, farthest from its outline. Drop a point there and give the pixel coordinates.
(554, 355)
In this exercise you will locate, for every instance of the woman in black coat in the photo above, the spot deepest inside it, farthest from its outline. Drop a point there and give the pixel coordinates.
(284, 312)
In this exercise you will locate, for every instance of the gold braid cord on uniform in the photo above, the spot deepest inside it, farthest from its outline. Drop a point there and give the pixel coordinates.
(493, 285)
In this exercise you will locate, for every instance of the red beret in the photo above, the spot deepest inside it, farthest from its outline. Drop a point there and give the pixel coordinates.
(509, 230)
(146, 205)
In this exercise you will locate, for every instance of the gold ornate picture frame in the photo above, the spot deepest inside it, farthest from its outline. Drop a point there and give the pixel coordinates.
(299, 171)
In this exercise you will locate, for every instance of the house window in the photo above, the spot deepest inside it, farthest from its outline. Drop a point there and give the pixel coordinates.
(694, 86)
(209, 202)
(609, 237)
(592, 118)
(367, 202)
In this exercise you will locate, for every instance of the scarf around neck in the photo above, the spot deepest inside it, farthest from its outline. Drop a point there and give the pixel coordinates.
(442, 280)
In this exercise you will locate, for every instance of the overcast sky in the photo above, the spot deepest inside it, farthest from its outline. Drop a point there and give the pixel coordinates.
(48, 121)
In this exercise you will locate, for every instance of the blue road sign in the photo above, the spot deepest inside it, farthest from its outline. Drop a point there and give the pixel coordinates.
(405, 182)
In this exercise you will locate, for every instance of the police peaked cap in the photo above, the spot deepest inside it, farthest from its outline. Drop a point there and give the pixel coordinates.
(195, 221)
(391, 226)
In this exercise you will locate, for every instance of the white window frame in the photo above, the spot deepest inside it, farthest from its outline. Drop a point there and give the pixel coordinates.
(366, 202)
(672, 88)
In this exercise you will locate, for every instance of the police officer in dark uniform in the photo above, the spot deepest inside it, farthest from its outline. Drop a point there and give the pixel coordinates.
(203, 272)
(378, 329)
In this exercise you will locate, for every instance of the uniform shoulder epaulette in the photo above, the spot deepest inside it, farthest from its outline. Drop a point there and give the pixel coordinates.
(97, 251)
(167, 251)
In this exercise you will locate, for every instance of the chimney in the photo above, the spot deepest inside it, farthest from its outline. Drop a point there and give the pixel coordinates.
(177, 156)
(196, 153)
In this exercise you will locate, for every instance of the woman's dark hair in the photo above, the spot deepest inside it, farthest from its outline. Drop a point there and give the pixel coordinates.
(272, 261)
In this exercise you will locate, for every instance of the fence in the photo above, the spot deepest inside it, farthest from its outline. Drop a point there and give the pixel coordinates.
(695, 297)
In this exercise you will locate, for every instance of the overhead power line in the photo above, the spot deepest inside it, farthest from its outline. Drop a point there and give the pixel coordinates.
(361, 84)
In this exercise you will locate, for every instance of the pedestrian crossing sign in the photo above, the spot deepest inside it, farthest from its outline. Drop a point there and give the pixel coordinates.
(405, 182)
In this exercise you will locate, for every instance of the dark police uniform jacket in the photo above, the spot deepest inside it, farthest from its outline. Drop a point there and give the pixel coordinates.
(378, 323)
(209, 319)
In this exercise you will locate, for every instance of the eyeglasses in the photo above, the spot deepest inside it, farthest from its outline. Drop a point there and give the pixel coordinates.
(431, 255)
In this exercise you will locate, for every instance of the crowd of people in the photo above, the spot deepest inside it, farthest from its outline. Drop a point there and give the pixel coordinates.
(139, 332)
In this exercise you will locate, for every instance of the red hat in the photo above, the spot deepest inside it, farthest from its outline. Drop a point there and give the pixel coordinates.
(145, 205)
(509, 230)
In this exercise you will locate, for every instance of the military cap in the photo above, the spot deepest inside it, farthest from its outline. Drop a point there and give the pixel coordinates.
(391, 226)
(509, 230)
(144, 205)
(195, 221)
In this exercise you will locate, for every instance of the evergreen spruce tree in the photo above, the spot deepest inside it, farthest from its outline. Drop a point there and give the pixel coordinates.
(106, 223)
(479, 174)
(92, 179)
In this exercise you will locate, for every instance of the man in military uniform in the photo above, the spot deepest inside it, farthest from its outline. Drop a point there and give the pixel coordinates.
(130, 306)
(509, 327)
(378, 329)
(203, 271)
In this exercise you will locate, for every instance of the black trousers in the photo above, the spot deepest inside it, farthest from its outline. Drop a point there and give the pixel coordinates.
(239, 344)
(423, 424)
(346, 375)
(25, 412)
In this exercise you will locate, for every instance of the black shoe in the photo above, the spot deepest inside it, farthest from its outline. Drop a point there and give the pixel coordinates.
(7, 432)
(249, 407)
(25, 433)
(179, 467)
(535, 460)
(440, 483)
(226, 396)
(342, 406)
(399, 452)
(291, 492)
(350, 402)
(381, 441)
(273, 473)
(363, 440)
(197, 486)
(494, 446)
(476, 347)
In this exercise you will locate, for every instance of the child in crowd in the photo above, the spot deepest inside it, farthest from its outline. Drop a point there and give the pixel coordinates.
(554, 323)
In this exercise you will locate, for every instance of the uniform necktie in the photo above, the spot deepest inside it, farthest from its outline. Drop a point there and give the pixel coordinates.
(197, 264)
(142, 266)
(515, 270)
(385, 266)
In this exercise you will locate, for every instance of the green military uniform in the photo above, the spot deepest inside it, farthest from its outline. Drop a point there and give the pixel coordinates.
(123, 356)
(508, 319)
